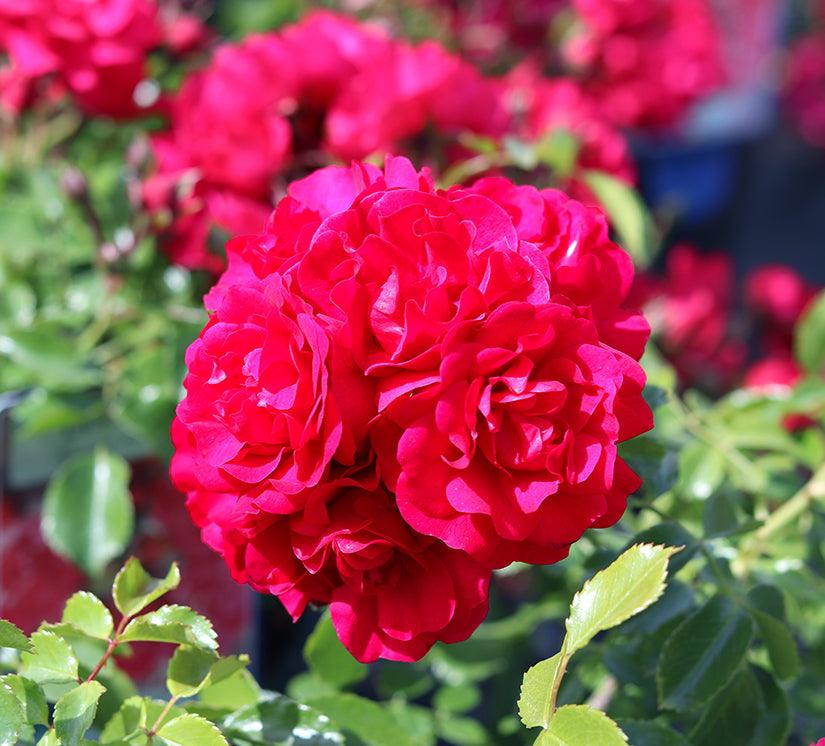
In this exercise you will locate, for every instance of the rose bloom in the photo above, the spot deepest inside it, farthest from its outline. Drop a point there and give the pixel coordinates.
(645, 61)
(540, 106)
(401, 388)
(804, 86)
(97, 49)
(690, 309)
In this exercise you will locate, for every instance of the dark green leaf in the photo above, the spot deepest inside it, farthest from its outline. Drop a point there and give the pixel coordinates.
(462, 731)
(88, 515)
(780, 644)
(651, 733)
(460, 698)
(734, 712)
(775, 719)
(363, 718)
(702, 654)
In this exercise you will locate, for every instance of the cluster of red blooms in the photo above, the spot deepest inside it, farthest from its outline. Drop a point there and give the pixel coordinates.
(402, 388)
(97, 51)
(693, 310)
(277, 103)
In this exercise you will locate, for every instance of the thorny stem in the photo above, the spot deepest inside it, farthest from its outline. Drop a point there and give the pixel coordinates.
(113, 643)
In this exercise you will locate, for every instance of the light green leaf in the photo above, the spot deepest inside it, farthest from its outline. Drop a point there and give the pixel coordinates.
(459, 698)
(49, 739)
(628, 215)
(12, 636)
(136, 713)
(235, 691)
(190, 730)
(328, 659)
(364, 718)
(191, 669)
(703, 653)
(780, 643)
(534, 704)
(89, 614)
(462, 731)
(30, 696)
(172, 623)
(134, 589)
(580, 725)
(51, 660)
(629, 585)
(809, 337)
(12, 716)
(88, 514)
(701, 470)
(75, 711)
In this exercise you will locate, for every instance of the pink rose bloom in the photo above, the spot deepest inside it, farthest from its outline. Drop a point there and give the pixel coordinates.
(804, 86)
(646, 61)
(97, 49)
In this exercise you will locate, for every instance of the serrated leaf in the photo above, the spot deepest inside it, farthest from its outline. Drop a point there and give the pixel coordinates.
(75, 711)
(51, 660)
(190, 730)
(134, 589)
(629, 585)
(88, 516)
(11, 636)
(580, 725)
(136, 713)
(628, 214)
(809, 337)
(31, 698)
(703, 653)
(669, 533)
(534, 707)
(191, 669)
(89, 614)
(12, 716)
(780, 643)
(328, 659)
(172, 623)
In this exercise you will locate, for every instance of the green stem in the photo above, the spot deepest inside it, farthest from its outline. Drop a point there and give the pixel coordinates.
(550, 706)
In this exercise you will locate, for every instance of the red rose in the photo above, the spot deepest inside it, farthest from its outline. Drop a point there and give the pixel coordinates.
(96, 48)
(645, 61)
(403, 387)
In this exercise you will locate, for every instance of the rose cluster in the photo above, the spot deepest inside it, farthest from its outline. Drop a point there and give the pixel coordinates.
(330, 88)
(96, 50)
(645, 62)
(402, 388)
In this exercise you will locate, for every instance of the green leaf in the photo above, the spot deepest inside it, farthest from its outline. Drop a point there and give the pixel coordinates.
(172, 623)
(628, 215)
(30, 696)
(580, 725)
(780, 643)
(190, 730)
(719, 515)
(534, 704)
(88, 514)
(809, 337)
(774, 725)
(134, 714)
(734, 712)
(89, 614)
(671, 534)
(459, 698)
(462, 731)
(11, 636)
(703, 653)
(651, 733)
(278, 720)
(191, 669)
(134, 589)
(701, 470)
(629, 585)
(235, 691)
(328, 659)
(12, 716)
(675, 601)
(75, 711)
(51, 661)
(363, 718)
